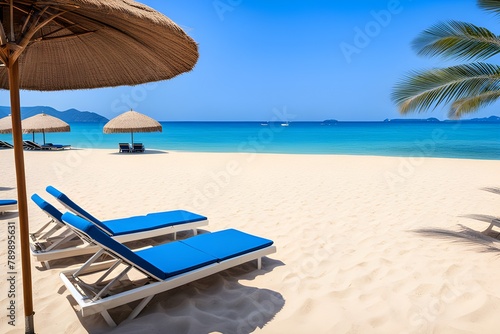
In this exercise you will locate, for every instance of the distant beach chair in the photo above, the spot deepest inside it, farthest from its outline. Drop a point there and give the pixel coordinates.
(4, 144)
(7, 205)
(164, 266)
(31, 145)
(138, 147)
(124, 148)
(51, 243)
(55, 147)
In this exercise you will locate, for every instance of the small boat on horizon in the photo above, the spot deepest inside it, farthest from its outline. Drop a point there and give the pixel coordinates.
(285, 124)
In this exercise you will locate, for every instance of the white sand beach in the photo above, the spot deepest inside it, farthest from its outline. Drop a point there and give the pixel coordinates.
(364, 244)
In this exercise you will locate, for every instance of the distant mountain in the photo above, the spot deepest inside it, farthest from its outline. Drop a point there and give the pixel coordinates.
(490, 119)
(329, 121)
(69, 116)
(409, 120)
(485, 119)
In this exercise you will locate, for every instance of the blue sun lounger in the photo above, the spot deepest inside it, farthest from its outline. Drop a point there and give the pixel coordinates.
(55, 147)
(124, 148)
(55, 241)
(4, 144)
(165, 266)
(174, 221)
(138, 147)
(7, 205)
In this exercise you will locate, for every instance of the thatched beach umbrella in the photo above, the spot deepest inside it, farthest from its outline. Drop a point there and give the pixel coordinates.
(75, 44)
(132, 121)
(44, 123)
(6, 124)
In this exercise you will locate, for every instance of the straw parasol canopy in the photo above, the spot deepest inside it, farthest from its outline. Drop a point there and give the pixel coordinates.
(93, 43)
(6, 124)
(74, 44)
(132, 121)
(44, 123)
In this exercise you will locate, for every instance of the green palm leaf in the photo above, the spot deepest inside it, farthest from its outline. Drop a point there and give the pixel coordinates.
(491, 5)
(425, 90)
(468, 87)
(458, 40)
(472, 103)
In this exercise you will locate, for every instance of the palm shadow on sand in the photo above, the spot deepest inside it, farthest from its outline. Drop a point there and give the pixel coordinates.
(487, 242)
(494, 190)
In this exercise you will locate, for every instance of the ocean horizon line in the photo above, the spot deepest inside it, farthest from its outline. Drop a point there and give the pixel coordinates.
(398, 120)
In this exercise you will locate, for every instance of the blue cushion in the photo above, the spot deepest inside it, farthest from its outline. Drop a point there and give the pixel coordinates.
(150, 222)
(129, 225)
(135, 224)
(76, 208)
(176, 217)
(105, 240)
(227, 244)
(176, 258)
(47, 208)
(8, 201)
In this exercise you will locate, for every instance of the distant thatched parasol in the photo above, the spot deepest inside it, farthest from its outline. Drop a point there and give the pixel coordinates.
(44, 123)
(6, 124)
(132, 121)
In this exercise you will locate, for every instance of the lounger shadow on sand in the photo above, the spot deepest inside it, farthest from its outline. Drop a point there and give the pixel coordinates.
(134, 148)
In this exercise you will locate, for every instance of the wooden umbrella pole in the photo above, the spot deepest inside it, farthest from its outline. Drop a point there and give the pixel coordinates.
(22, 201)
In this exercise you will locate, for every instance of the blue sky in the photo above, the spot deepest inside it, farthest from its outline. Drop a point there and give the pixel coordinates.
(316, 59)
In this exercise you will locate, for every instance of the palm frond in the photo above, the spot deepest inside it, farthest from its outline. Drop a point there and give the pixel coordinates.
(420, 91)
(490, 5)
(473, 103)
(457, 40)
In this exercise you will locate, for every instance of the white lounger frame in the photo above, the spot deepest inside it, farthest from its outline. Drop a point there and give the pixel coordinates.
(95, 304)
(52, 253)
(493, 222)
(5, 208)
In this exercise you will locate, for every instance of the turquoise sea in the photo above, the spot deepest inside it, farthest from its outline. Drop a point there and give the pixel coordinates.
(479, 140)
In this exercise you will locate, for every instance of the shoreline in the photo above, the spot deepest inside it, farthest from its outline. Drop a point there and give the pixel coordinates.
(166, 151)
(374, 244)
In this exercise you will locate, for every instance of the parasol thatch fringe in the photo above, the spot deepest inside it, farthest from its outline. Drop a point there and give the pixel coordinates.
(88, 42)
(6, 125)
(44, 123)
